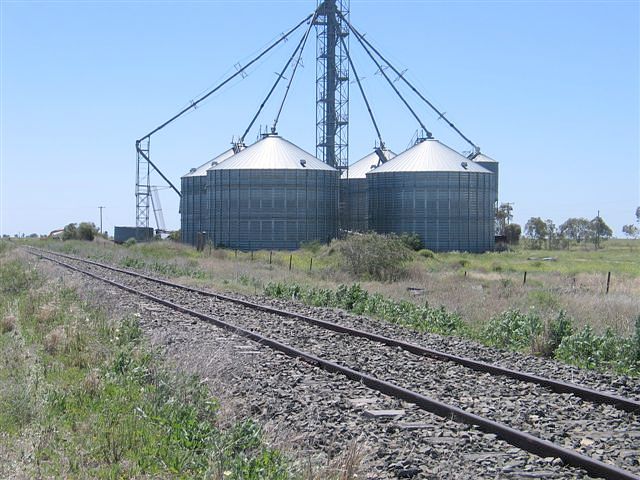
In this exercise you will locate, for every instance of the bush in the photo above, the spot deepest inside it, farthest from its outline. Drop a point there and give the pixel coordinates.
(512, 329)
(130, 242)
(426, 253)
(608, 351)
(412, 241)
(87, 231)
(357, 300)
(374, 256)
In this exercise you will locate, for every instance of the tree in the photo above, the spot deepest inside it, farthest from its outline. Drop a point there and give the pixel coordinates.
(536, 230)
(70, 232)
(577, 229)
(638, 215)
(87, 231)
(512, 232)
(504, 215)
(552, 233)
(631, 231)
(599, 231)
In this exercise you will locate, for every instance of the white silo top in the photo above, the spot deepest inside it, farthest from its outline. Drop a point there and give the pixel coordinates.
(365, 165)
(202, 169)
(273, 152)
(430, 156)
(484, 158)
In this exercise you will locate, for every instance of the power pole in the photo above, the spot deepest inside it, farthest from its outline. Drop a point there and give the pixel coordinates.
(598, 230)
(101, 218)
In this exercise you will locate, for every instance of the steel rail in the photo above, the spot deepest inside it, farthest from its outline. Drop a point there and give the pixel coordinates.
(557, 386)
(520, 439)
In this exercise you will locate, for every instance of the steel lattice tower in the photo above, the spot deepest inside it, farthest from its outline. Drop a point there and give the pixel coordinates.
(332, 84)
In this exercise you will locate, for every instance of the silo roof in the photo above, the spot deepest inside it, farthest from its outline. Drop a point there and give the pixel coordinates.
(273, 152)
(484, 158)
(430, 156)
(202, 169)
(365, 165)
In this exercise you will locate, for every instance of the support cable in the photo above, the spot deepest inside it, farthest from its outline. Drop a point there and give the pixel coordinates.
(389, 81)
(476, 148)
(366, 101)
(293, 73)
(280, 77)
(239, 72)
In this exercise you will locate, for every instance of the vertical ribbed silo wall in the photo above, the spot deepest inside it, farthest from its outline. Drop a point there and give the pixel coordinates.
(448, 210)
(493, 167)
(194, 217)
(186, 216)
(354, 204)
(272, 209)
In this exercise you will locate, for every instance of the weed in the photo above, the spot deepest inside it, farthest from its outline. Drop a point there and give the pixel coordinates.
(8, 323)
(512, 330)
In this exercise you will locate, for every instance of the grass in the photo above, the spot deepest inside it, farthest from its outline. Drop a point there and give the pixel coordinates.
(476, 288)
(83, 396)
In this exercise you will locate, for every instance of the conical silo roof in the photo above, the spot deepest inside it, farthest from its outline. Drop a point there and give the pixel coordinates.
(273, 152)
(365, 165)
(430, 156)
(484, 158)
(202, 169)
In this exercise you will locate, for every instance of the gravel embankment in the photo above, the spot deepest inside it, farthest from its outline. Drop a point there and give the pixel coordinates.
(323, 408)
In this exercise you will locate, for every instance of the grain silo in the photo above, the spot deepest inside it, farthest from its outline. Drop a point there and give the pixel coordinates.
(433, 191)
(272, 195)
(354, 202)
(194, 203)
(493, 166)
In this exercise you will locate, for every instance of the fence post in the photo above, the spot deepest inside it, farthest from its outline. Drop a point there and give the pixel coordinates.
(236, 253)
(310, 263)
(524, 279)
(608, 281)
(270, 255)
(290, 258)
(252, 255)
(465, 273)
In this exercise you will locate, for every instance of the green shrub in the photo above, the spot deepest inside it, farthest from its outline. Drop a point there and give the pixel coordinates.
(512, 330)
(608, 351)
(130, 242)
(412, 241)
(355, 299)
(426, 253)
(374, 256)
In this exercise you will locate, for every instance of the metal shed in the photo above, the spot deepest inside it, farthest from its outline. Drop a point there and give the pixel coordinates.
(272, 195)
(435, 192)
(354, 201)
(194, 204)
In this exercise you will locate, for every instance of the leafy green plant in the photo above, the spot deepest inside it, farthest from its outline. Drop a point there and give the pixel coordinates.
(512, 330)
(354, 298)
(586, 349)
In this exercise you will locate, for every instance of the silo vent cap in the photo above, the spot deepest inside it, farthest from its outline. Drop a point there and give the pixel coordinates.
(303, 162)
(214, 163)
(192, 170)
(465, 165)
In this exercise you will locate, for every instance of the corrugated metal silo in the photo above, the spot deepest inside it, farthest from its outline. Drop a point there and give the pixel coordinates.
(272, 195)
(435, 192)
(494, 167)
(194, 203)
(354, 201)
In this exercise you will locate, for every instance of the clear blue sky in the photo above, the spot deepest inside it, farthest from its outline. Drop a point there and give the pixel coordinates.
(550, 89)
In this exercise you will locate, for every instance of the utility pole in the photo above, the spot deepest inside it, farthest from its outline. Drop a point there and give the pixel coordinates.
(101, 218)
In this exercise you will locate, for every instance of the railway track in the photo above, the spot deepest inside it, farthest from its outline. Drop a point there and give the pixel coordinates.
(540, 415)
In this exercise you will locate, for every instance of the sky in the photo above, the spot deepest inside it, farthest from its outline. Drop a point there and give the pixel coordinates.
(550, 89)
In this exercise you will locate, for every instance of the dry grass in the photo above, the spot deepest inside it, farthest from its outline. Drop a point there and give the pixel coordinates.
(56, 340)
(8, 323)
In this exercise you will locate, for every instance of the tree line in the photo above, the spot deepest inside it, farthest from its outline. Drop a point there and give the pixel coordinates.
(545, 233)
